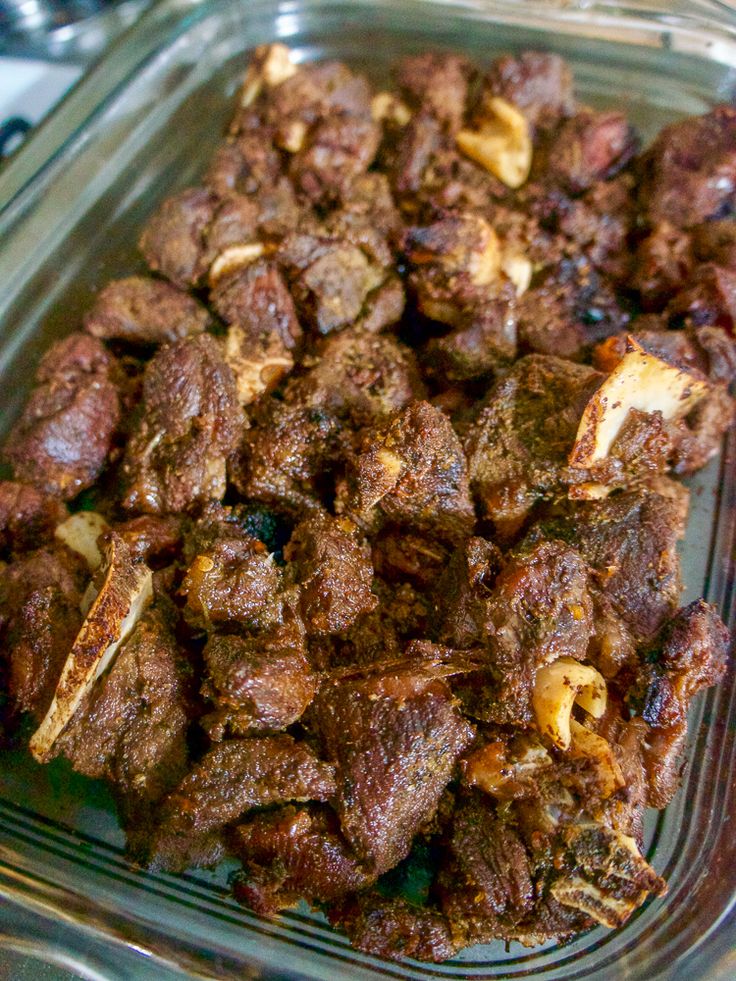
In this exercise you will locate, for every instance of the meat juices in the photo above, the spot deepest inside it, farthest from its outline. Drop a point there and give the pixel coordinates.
(384, 602)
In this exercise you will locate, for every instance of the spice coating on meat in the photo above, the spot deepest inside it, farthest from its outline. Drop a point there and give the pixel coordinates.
(144, 311)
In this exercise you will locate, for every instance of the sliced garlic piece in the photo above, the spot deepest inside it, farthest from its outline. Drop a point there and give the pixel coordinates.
(502, 144)
(235, 257)
(518, 269)
(270, 66)
(639, 381)
(80, 533)
(592, 746)
(557, 687)
(126, 591)
(387, 107)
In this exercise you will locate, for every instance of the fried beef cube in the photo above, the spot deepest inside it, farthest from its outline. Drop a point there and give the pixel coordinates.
(484, 346)
(715, 241)
(522, 435)
(413, 470)
(239, 774)
(62, 440)
(360, 377)
(538, 83)
(333, 570)
(394, 738)
(689, 173)
(437, 84)
(690, 654)
(463, 591)
(400, 555)
(707, 297)
(629, 541)
(188, 423)
(368, 201)
(486, 886)
(335, 152)
(173, 242)
(394, 928)
(263, 328)
(247, 165)
(40, 596)
(132, 730)
(588, 147)
(331, 278)
(700, 437)
(286, 456)
(153, 538)
(538, 610)
(293, 852)
(142, 310)
(599, 224)
(261, 683)
(664, 261)
(28, 517)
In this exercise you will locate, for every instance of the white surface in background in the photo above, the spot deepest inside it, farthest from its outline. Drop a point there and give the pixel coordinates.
(30, 88)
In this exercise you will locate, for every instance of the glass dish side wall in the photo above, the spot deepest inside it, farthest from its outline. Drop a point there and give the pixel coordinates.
(75, 224)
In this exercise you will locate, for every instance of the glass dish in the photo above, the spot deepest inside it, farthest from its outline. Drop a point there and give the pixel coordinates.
(142, 124)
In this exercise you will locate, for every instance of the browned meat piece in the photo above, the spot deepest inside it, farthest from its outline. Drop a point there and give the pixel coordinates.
(28, 517)
(463, 592)
(394, 738)
(132, 730)
(413, 470)
(629, 540)
(233, 581)
(263, 683)
(715, 241)
(456, 266)
(420, 143)
(486, 887)
(689, 172)
(360, 377)
(293, 852)
(334, 153)
(538, 610)
(239, 774)
(394, 928)
(62, 440)
(153, 538)
(700, 437)
(538, 83)
(690, 654)
(568, 308)
(437, 84)
(399, 555)
(286, 456)
(588, 147)
(664, 261)
(247, 165)
(369, 202)
(486, 346)
(231, 236)
(144, 311)
(189, 423)
(161, 850)
(333, 570)
(598, 224)
(331, 278)
(173, 241)
(315, 92)
(263, 331)
(522, 435)
(708, 297)
(662, 753)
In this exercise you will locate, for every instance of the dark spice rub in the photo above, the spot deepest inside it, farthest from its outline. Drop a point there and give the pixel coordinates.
(380, 595)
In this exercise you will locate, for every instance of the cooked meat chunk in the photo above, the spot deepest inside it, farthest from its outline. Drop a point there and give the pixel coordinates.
(538, 83)
(286, 456)
(292, 852)
(360, 377)
(133, 728)
(707, 297)
(234, 581)
(263, 682)
(463, 592)
(689, 172)
(334, 153)
(189, 423)
(588, 147)
(173, 241)
(333, 570)
(62, 440)
(664, 260)
(485, 345)
(240, 774)
(700, 437)
(246, 166)
(399, 554)
(715, 241)
(152, 538)
(487, 886)
(28, 517)
(523, 434)
(141, 310)
(414, 471)
(394, 928)
(437, 84)
(394, 739)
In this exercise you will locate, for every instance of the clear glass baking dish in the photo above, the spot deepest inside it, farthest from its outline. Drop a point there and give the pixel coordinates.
(142, 124)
